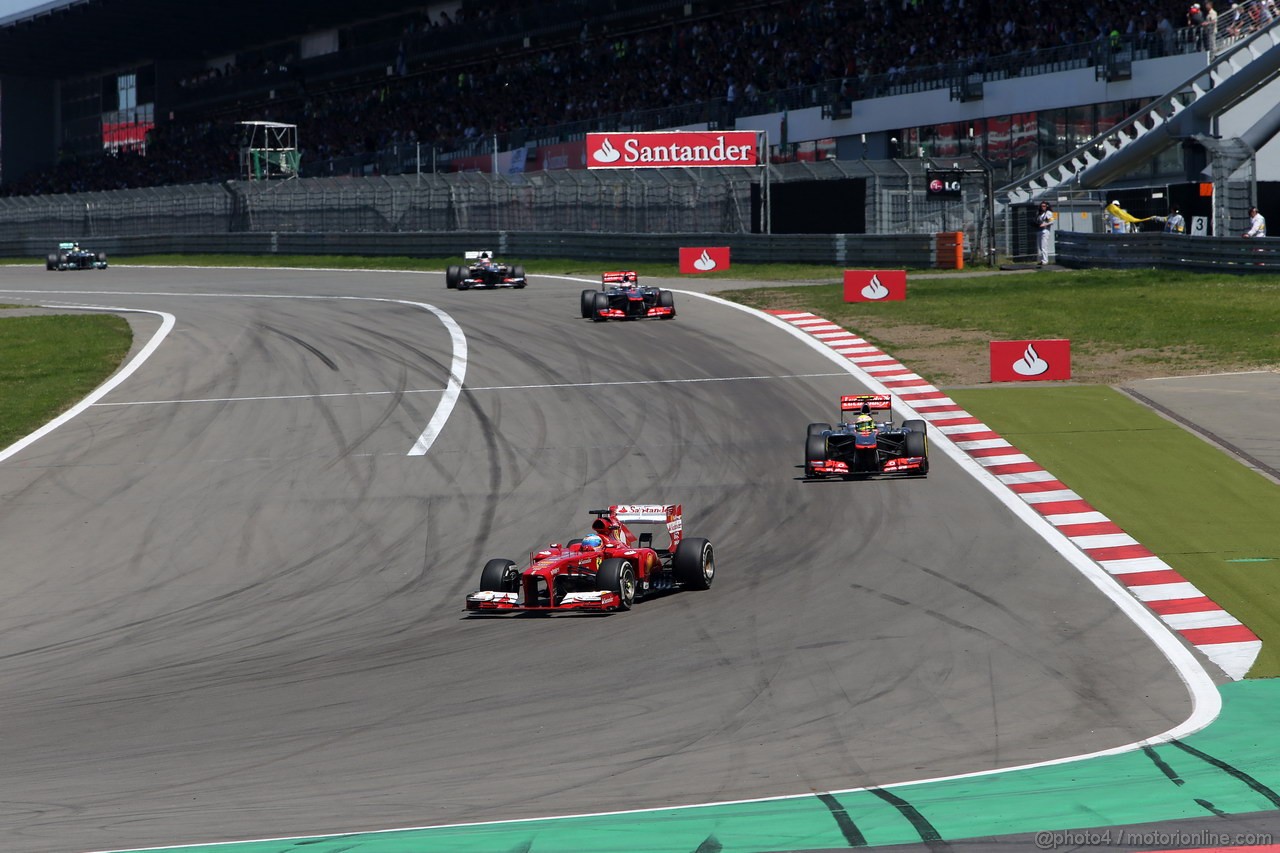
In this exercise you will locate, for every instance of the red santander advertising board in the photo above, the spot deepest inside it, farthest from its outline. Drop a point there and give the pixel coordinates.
(667, 149)
(875, 285)
(1022, 361)
(700, 259)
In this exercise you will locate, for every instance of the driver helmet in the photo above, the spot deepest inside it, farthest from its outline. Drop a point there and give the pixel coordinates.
(592, 540)
(864, 423)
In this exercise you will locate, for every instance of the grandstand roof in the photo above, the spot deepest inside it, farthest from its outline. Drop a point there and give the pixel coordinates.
(71, 38)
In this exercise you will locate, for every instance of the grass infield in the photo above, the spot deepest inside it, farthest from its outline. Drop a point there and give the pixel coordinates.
(48, 363)
(1201, 511)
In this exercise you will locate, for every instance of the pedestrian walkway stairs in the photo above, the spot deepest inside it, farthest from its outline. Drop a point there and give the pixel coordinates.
(1247, 64)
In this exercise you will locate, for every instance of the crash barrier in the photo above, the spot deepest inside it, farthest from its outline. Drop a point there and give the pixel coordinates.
(1168, 251)
(885, 198)
(949, 248)
(839, 250)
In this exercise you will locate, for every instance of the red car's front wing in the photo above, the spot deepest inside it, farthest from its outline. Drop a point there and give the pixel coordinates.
(509, 602)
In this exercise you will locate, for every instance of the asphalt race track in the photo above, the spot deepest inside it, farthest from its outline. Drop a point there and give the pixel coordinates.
(231, 600)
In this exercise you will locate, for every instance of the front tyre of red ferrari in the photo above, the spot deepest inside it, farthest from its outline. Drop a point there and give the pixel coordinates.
(499, 576)
(618, 575)
(694, 563)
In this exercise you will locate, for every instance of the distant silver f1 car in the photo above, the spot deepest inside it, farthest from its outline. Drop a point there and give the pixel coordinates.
(71, 257)
(483, 271)
(862, 446)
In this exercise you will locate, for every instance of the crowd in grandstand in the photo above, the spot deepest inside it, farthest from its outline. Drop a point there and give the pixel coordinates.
(739, 56)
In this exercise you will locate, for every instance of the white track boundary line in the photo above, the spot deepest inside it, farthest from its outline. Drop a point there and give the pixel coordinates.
(457, 368)
(167, 322)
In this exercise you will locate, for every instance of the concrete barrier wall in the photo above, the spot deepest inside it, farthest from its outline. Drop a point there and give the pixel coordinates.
(915, 251)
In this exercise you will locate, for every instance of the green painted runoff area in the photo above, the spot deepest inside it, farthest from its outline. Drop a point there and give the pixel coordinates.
(1232, 767)
(1203, 512)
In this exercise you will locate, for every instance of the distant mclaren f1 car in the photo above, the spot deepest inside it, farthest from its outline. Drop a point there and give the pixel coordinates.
(621, 297)
(862, 446)
(606, 570)
(482, 271)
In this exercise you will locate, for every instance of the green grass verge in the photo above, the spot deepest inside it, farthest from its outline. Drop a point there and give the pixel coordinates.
(1159, 316)
(1192, 505)
(48, 363)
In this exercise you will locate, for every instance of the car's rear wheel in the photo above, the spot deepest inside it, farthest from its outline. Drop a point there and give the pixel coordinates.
(694, 563)
(667, 299)
(599, 302)
(498, 576)
(451, 275)
(815, 450)
(587, 300)
(518, 273)
(102, 259)
(618, 575)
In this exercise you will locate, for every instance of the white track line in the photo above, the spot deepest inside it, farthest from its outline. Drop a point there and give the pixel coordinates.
(549, 386)
(457, 368)
(166, 325)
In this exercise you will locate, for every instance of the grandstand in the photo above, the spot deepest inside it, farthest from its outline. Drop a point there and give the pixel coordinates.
(139, 93)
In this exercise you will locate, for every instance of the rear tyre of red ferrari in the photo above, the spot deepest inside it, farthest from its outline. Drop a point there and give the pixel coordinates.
(498, 576)
(618, 575)
(815, 448)
(587, 300)
(599, 302)
(694, 563)
(667, 299)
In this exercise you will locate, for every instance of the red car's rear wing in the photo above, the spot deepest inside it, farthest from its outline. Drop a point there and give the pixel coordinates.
(874, 402)
(620, 515)
(620, 277)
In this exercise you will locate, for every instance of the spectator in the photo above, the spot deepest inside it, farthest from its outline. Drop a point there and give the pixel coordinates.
(1210, 27)
(1257, 224)
(1044, 231)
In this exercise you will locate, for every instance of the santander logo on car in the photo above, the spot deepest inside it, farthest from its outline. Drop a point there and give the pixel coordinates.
(668, 149)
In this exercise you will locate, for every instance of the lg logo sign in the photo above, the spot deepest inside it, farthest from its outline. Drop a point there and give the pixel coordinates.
(944, 184)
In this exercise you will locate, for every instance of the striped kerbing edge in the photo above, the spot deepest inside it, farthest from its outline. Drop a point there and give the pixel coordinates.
(1217, 634)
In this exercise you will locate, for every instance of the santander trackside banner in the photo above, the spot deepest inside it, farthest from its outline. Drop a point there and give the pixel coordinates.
(1020, 361)
(699, 259)
(875, 285)
(664, 149)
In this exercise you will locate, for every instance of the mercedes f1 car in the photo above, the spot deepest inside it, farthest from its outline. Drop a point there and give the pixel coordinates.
(621, 297)
(71, 257)
(606, 570)
(482, 271)
(863, 446)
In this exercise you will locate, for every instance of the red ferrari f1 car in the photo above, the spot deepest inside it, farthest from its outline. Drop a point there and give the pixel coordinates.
(863, 445)
(621, 297)
(606, 570)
